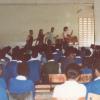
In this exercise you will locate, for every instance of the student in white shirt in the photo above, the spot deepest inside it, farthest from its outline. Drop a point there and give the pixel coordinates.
(70, 89)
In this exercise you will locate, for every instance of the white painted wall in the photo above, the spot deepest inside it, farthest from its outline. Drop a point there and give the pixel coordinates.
(17, 19)
(97, 22)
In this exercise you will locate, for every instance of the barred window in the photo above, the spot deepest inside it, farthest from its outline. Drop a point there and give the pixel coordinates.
(86, 31)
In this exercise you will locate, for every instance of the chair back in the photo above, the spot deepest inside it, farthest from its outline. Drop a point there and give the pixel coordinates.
(3, 94)
(23, 96)
(84, 78)
(2, 83)
(34, 70)
(57, 78)
(21, 89)
(11, 70)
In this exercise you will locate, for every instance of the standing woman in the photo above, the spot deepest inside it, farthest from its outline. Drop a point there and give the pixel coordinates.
(40, 37)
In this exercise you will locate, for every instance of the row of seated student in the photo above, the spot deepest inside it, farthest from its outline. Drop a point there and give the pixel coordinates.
(46, 60)
(24, 59)
(46, 53)
(21, 88)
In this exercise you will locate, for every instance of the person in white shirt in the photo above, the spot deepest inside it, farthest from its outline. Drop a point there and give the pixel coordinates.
(66, 33)
(70, 89)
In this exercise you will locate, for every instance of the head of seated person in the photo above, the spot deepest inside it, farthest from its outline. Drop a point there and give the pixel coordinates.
(34, 52)
(22, 71)
(24, 56)
(72, 71)
(70, 53)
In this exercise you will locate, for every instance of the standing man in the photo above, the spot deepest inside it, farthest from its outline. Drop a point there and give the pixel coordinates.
(50, 35)
(29, 40)
(66, 37)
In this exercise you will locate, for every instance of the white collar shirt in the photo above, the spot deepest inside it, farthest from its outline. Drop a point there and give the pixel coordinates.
(70, 90)
(98, 78)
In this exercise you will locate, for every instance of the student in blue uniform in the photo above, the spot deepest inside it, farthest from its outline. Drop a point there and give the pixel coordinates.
(94, 86)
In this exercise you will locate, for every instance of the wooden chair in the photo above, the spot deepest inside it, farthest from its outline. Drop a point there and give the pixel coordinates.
(85, 78)
(57, 78)
(92, 96)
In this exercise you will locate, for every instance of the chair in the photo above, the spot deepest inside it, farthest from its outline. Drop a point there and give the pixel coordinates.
(92, 96)
(3, 94)
(11, 70)
(86, 75)
(2, 83)
(21, 89)
(34, 70)
(57, 78)
(78, 60)
(57, 56)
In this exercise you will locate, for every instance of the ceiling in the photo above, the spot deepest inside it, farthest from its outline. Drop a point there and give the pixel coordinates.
(45, 1)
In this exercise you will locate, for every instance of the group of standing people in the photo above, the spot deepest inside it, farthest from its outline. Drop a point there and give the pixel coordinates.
(40, 38)
(49, 38)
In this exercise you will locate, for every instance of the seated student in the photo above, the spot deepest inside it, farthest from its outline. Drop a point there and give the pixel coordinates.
(70, 58)
(78, 60)
(70, 89)
(34, 65)
(20, 87)
(94, 86)
(86, 74)
(51, 67)
(57, 55)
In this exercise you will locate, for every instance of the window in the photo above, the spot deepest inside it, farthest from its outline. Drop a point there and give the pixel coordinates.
(86, 31)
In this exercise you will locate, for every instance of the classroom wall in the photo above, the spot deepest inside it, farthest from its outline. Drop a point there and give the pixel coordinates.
(97, 22)
(17, 19)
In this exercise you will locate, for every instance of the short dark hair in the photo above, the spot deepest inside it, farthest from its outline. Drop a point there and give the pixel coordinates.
(65, 28)
(72, 71)
(31, 31)
(23, 69)
(52, 28)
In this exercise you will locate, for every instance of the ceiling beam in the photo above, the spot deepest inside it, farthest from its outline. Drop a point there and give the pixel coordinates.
(38, 2)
